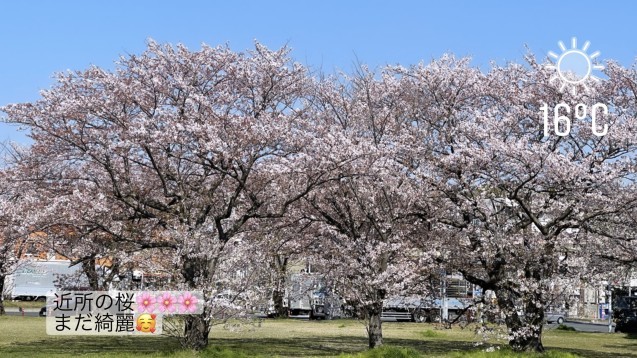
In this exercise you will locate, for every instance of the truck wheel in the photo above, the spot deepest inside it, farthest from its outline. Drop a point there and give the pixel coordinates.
(434, 317)
(419, 316)
(560, 320)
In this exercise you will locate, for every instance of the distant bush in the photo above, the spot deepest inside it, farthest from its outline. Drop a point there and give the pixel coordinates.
(562, 327)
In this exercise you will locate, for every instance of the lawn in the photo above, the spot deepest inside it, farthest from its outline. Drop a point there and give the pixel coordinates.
(24, 304)
(26, 337)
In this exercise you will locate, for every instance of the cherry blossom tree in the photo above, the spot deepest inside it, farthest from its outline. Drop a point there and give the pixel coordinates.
(214, 158)
(14, 204)
(363, 221)
(618, 226)
(185, 147)
(13, 239)
(514, 201)
(69, 218)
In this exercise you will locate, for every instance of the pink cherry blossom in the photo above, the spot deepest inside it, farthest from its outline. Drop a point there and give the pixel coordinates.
(187, 303)
(166, 302)
(384, 179)
(145, 302)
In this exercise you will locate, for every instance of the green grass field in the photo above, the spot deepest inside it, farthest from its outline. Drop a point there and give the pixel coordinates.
(24, 304)
(26, 337)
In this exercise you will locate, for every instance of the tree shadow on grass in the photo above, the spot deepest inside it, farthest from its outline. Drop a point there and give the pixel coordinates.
(73, 346)
(631, 345)
(594, 354)
(250, 347)
(333, 346)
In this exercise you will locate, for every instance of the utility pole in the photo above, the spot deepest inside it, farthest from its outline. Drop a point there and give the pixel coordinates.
(444, 309)
(610, 309)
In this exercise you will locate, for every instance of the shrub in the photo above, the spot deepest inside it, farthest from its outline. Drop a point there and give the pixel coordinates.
(562, 327)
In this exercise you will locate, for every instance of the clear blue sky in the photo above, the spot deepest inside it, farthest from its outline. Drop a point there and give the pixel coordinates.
(39, 38)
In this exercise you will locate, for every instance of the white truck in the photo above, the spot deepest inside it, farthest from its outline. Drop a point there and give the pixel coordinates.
(308, 297)
(35, 279)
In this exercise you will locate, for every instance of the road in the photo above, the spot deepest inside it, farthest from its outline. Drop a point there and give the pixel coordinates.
(29, 312)
(584, 327)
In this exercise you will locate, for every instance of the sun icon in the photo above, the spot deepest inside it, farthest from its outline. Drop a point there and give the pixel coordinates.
(574, 66)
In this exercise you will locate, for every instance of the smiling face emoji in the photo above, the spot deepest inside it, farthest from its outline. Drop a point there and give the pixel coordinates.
(146, 323)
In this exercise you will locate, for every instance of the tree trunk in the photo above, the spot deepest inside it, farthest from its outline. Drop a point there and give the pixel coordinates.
(524, 342)
(196, 332)
(280, 264)
(278, 295)
(88, 267)
(525, 328)
(374, 324)
(525, 336)
(197, 327)
(2, 312)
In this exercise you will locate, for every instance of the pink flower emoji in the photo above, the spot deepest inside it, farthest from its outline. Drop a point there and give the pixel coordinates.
(187, 303)
(145, 302)
(166, 302)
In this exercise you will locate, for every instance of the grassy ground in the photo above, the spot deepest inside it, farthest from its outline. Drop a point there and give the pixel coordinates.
(26, 337)
(24, 304)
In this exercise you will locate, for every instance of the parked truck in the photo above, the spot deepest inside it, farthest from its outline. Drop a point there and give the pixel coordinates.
(450, 296)
(416, 309)
(35, 279)
(308, 296)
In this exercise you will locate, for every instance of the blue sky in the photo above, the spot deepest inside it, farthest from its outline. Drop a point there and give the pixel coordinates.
(39, 38)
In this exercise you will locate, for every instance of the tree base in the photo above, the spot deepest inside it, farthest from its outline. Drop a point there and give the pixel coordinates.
(527, 344)
(197, 329)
